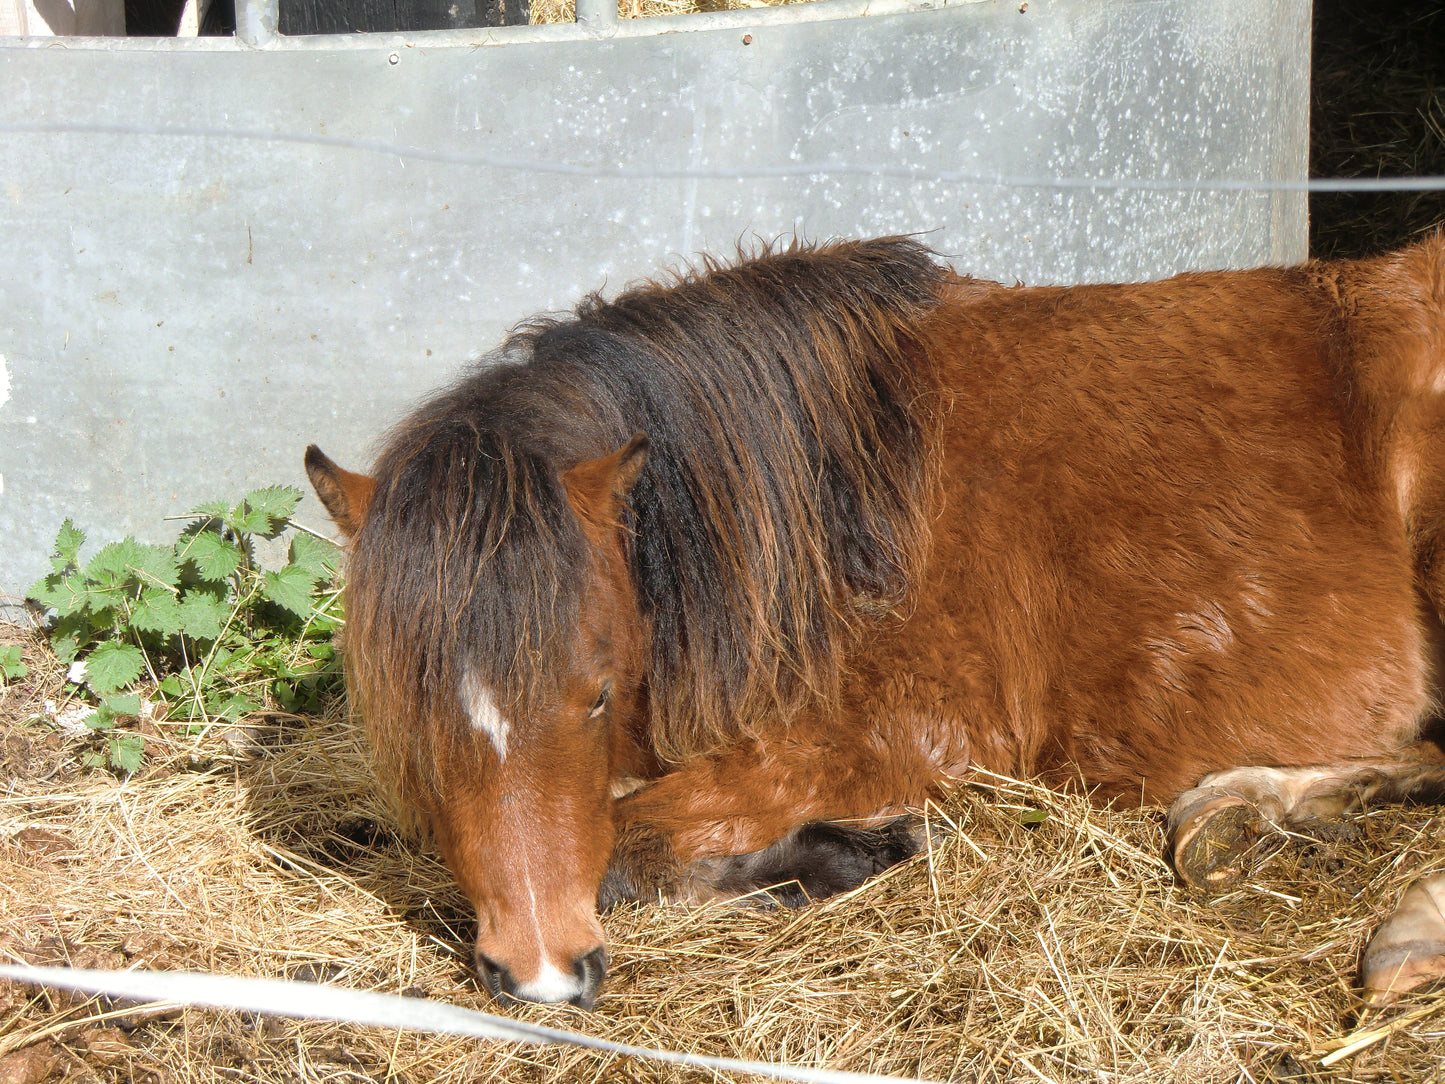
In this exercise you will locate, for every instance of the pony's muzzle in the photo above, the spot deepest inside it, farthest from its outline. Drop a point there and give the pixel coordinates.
(550, 984)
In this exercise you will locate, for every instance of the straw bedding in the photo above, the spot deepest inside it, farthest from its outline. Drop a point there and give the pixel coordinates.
(1037, 940)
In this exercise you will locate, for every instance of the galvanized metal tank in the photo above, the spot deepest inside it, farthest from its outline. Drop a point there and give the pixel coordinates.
(219, 250)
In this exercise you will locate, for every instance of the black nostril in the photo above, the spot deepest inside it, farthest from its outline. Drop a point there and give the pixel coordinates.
(496, 978)
(590, 969)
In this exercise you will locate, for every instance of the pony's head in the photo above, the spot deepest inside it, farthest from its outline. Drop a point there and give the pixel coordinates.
(500, 707)
(540, 608)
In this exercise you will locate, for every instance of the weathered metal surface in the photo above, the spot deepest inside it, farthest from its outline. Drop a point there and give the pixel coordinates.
(180, 313)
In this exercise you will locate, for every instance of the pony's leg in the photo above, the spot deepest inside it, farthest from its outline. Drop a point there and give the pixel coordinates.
(747, 820)
(1218, 826)
(812, 862)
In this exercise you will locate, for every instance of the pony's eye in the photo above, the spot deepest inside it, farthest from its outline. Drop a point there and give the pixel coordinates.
(601, 705)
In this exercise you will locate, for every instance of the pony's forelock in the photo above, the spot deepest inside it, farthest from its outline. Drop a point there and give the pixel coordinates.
(468, 564)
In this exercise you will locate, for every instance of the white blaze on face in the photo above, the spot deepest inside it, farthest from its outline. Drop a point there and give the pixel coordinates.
(482, 710)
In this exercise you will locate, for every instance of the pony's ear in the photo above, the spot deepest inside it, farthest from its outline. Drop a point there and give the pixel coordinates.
(347, 496)
(598, 488)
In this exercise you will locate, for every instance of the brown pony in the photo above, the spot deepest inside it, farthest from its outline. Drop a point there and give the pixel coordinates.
(641, 603)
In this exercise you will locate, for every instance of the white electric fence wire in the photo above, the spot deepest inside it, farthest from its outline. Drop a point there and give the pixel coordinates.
(313, 1001)
(619, 171)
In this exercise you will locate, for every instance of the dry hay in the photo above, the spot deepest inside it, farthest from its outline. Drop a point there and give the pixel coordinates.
(565, 11)
(1017, 949)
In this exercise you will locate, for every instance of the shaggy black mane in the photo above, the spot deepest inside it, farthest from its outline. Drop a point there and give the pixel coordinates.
(791, 421)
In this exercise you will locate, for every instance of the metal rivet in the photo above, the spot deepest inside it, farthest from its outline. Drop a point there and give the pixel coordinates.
(393, 59)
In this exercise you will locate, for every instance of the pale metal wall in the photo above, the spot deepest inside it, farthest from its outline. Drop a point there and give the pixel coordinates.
(214, 254)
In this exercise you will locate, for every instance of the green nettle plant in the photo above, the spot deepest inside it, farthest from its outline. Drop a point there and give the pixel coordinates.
(12, 663)
(217, 635)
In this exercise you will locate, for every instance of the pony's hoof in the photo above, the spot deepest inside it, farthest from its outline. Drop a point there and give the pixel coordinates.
(1216, 840)
(1408, 950)
(812, 862)
(824, 859)
(818, 860)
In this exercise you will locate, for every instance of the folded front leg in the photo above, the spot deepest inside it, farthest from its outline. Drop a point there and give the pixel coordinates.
(746, 820)
(812, 862)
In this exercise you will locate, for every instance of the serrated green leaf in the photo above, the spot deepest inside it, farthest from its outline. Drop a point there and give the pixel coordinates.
(246, 521)
(290, 588)
(213, 557)
(203, 615)
(316, 556)
(232, 707)
(132, 562)
(68, 541)
(157, 611)
(124, 704)
(155, 566)
(11, 662)
(65, 594)
(99, 720)
(67, 546)
(46, 590)
(171, 686)
(111, 666)
(112, 564)
(212, 510)
(127, 753)
(93, 760)
(109, 581)
(274, 504)
(65, 642)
